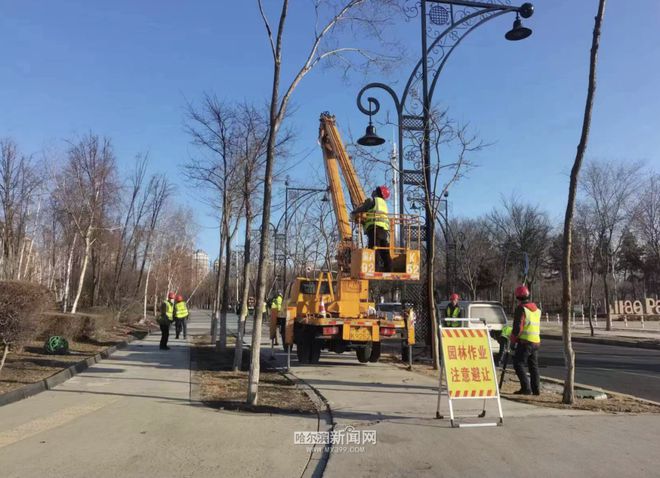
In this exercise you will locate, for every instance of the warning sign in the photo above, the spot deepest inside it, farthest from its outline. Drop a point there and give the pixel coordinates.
(468, 363)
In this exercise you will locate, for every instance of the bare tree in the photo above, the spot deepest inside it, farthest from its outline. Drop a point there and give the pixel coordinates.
(475, 252)
(213, 127)
(609, 190)
(522, 231)
(19, 185)
(647, 216)
(569, 355)
(252, 136)
(82, 192)
(362, 17)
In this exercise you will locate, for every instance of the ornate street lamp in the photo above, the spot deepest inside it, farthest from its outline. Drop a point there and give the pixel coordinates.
(444, 24)
(370, 137)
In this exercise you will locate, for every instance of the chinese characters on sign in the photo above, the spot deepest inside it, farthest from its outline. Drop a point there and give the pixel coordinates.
(467, 363)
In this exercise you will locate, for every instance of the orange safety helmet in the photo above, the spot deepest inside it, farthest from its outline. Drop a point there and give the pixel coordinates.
(384, 191)
(522, 292)
(179, 298)
(454, 297)
(171, 295)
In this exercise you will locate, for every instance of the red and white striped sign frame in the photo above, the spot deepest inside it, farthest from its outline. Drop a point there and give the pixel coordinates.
(468, 368)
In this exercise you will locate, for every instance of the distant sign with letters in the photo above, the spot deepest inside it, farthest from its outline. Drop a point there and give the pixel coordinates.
(468, 363)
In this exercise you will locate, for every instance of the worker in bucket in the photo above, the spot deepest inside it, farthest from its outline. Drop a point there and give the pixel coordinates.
(377, 225)
(453, 311)
(526, 335)
(180, 317)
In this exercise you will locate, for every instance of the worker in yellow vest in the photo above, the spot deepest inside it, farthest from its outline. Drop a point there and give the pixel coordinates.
(453, 311)
(526, 335)
(180, 317)
(165, 319)
(275, 307)
(377, 226)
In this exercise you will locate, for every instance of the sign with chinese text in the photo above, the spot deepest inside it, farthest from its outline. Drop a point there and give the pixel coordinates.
(468, 363)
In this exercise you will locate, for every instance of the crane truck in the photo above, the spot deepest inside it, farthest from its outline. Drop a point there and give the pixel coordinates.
(332, 309)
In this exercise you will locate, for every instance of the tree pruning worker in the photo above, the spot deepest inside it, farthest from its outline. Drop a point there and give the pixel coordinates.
(526, 335)
(453, 311)
(377, 225)
(275, 307)
(165, 319)
(180, 317)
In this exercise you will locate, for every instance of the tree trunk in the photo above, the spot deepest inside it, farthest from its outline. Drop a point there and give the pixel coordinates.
(569, 355)
(218, 284)
(606, 300)
(81, 281)
(225, 294)
(591, 301)
(67, 275)
(274, 122)
(5, 351)
(238, 351)
(146, 294)
(430, 283)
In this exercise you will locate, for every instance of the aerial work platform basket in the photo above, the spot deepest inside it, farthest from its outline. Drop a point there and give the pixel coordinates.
(405, 257)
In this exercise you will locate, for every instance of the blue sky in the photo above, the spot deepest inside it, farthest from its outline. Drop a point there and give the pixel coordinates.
(126, 68)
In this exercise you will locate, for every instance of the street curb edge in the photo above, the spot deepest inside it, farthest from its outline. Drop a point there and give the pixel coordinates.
(325, 415)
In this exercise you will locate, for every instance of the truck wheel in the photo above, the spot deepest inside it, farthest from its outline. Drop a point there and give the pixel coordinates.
(375, 352)
(302, 349)
(301, 353)
(315, 350)
(363, 353)
(404, 351)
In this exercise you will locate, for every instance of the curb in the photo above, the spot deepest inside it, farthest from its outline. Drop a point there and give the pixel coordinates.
(642, 344)
(61, 376)
(315, 467)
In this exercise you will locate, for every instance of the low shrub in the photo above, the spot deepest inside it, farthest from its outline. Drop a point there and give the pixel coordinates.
(21, 306)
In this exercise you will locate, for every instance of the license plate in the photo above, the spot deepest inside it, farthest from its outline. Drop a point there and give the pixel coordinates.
(362, 334)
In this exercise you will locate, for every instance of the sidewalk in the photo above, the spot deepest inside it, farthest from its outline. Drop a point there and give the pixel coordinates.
(131, 416)
(400, 406)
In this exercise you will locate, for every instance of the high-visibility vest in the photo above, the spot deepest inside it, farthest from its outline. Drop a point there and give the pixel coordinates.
(531, 332)
(277, 303)
(180, 310)
(378, 215)
(506, 331)
(169, 309)
(454, 315)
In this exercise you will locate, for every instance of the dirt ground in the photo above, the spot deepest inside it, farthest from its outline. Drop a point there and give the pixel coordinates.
(551, 394)
(220, 387)
(33, 364)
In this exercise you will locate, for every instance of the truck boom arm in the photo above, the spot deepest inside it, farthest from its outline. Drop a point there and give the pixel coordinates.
(335, 157)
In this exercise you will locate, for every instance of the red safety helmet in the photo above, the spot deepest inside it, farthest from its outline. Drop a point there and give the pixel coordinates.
(522, 292)
(454, 297)
(383, 191)
(179, 298)
(171, 295)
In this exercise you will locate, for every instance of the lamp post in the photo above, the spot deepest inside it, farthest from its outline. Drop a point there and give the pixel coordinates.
(443, 24)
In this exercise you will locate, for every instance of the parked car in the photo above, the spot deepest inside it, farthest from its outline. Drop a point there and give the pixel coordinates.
(489, 313)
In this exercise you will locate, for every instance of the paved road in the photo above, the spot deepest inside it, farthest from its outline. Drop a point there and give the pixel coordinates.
(400, 405)
(620, 369)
